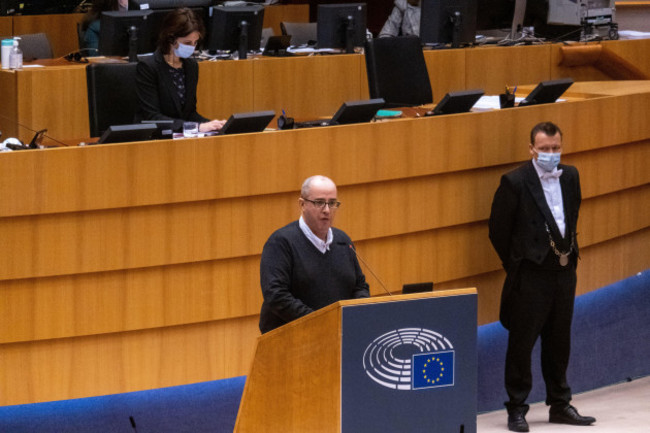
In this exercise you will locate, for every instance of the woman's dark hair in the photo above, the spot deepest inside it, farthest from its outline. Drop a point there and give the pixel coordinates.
(177, 24)
(96, 10)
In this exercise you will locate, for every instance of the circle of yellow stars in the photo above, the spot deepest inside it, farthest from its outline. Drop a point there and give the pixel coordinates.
(433, 361)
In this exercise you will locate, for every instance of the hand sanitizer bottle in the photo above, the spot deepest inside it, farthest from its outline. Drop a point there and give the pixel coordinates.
(16, 55)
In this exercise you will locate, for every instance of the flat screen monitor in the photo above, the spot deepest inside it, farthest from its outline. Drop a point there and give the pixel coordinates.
(547, 92)
(235, 28)
(448, 22)
(457, 102)
(168, 4)
(164, 128)
(128, 133)
(417, 288)
(341, 26)
(115, 38)
(240, 123)
(357, 111)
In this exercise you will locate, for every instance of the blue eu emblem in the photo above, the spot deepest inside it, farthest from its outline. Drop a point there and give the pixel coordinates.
(433, 369)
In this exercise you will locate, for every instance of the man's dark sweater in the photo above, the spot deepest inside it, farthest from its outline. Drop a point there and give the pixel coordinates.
(297, 279)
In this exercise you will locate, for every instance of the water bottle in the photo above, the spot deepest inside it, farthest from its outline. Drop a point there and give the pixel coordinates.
(7, 46)
(16, 56)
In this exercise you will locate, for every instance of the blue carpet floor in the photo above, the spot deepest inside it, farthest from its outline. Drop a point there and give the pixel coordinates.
(611, 335)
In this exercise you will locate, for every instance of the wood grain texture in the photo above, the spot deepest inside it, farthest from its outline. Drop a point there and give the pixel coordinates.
(307, 354)
(140, 261)
(275, 14)
(305, 87)
(61, 30)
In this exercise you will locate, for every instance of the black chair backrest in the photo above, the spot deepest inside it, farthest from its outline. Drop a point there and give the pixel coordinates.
(301, 33)
(112, 98)
(35, 46)
(397, 71)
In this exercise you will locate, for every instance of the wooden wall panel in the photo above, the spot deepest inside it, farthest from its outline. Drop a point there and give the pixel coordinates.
(6, 26)
(113, 363)
(274, 15)
(61, 29)
(225, 88)
(9, 106)
(493, 68)
(40, 94)
(219, 167)
(307, 87)
(142, 258)
(447, 71)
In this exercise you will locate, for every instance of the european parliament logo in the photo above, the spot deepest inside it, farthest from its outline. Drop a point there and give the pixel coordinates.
(410, 359)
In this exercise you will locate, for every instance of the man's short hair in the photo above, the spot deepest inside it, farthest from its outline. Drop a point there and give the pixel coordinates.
(547, 128)
(306, 185)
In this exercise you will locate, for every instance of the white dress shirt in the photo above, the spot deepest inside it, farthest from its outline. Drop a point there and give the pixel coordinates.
(321, 245)
(553, 194)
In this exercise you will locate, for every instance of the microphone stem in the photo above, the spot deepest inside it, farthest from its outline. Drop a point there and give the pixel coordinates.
(383, 286)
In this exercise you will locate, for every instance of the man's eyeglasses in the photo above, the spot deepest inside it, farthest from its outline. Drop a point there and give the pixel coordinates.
(333, 204)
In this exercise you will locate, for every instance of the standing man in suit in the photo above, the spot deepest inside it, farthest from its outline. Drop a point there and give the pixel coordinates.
(533, 229)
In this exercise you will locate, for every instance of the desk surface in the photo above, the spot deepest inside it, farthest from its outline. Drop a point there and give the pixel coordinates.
(140, 261)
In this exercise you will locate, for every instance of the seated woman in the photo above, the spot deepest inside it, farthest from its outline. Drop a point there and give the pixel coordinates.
(90, 23)
(166, 82)
(405, 17)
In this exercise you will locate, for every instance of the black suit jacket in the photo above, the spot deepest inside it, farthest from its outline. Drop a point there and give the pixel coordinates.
(157, 95)
(518, 221)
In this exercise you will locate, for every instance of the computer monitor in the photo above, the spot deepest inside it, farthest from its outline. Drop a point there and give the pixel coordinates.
(125, 33)
(128, 133)
(444, 22)
(341, 26)
(543, 17)
(547, 92)
(357, 111)
(164, 128)
(235, 28)
(457, 102)
(240, 123)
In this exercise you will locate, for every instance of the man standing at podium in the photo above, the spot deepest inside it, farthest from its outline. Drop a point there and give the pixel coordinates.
(533, 229)
(308, 264)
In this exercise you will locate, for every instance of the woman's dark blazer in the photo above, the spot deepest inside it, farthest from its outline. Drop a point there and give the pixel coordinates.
(157, 95)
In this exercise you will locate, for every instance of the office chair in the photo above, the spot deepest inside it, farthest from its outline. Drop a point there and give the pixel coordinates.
(112, 98)
(301, 33)
(267, 32)
(397, 71)
(35, 46)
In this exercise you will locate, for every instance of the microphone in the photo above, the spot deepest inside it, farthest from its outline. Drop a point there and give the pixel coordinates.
(37, 139)
(133, 424)
(381, 283)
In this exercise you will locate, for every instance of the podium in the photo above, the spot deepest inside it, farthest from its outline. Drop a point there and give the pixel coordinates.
(402, 363)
